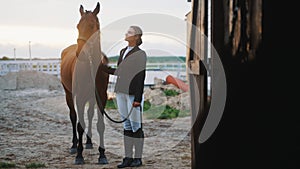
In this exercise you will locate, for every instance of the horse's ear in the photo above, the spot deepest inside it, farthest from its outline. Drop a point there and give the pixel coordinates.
(81, 10)
(97, 9)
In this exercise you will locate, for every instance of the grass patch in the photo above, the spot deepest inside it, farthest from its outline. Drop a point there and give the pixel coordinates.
(184, 113)
(169, 113)
(169, 92)
(35, 165)
(110, 104)
(147, 105)
(154, 112)
(164, 112)
(7, 165)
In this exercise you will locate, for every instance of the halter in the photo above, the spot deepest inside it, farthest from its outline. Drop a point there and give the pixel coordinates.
(82, 38)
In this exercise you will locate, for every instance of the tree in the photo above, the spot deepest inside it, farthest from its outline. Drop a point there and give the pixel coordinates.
(5, 58)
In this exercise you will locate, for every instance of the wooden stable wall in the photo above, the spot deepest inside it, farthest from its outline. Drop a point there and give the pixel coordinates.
(245, 136)
(197, 74)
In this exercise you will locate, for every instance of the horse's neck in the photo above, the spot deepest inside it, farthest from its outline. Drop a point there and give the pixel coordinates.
(90, 53)
(90, 47)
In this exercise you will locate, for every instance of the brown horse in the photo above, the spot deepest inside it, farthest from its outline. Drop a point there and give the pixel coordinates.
(83, 80)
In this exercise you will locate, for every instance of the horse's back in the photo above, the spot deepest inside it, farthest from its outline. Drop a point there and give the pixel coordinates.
(68, 60)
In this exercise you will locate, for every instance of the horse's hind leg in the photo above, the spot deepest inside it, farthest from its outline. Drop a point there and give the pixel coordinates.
(101, 127)
(73, 118)
(91, 112)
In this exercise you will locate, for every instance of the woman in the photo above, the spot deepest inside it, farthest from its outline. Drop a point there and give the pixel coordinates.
(129, 95)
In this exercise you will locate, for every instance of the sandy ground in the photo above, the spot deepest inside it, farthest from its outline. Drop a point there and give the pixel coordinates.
(35, 128)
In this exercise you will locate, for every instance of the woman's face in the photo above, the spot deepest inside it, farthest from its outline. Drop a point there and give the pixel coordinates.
(130, 35)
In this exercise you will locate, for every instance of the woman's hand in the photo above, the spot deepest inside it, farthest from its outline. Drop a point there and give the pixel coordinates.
(136, 104)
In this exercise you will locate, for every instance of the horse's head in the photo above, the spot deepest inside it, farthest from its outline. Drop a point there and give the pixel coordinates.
(89, 34)
(89, 23)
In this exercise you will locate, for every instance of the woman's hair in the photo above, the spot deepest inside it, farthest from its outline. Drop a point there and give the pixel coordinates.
(138, 32)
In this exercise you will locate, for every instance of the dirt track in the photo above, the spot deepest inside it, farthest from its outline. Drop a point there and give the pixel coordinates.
(35, 128)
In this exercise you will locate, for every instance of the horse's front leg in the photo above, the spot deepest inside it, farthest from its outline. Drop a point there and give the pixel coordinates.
(91, 112)
(80, 128)
(100, 127)
(73, 118)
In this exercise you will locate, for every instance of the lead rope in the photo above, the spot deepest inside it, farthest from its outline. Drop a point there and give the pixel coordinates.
(100, 106)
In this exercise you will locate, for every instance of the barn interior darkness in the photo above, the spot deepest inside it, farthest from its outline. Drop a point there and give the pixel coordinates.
(258, 128)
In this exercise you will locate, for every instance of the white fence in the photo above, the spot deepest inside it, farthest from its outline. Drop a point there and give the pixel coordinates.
(46, 66)
(159, 70)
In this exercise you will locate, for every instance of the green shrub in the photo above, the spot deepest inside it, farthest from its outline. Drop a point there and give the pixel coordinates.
(7, 165)
(153, 112)
(147, 105)
(184, 113)
(110, 104)
(169, 92)
(35, 165)
(163, 112)
(169, 113)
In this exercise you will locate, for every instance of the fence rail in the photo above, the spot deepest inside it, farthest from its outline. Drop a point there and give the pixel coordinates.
(46, 66)
(172, 66)
(159, 70)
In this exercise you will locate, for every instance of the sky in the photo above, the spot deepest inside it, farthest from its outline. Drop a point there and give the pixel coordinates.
(46, 27)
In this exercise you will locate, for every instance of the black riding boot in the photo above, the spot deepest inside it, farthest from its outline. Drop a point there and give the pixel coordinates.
(128, 145)
(138, 142)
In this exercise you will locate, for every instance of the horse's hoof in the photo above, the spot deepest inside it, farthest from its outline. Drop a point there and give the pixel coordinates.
(79, 161)
(102, 160)
(89, 145)
(73, 150)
